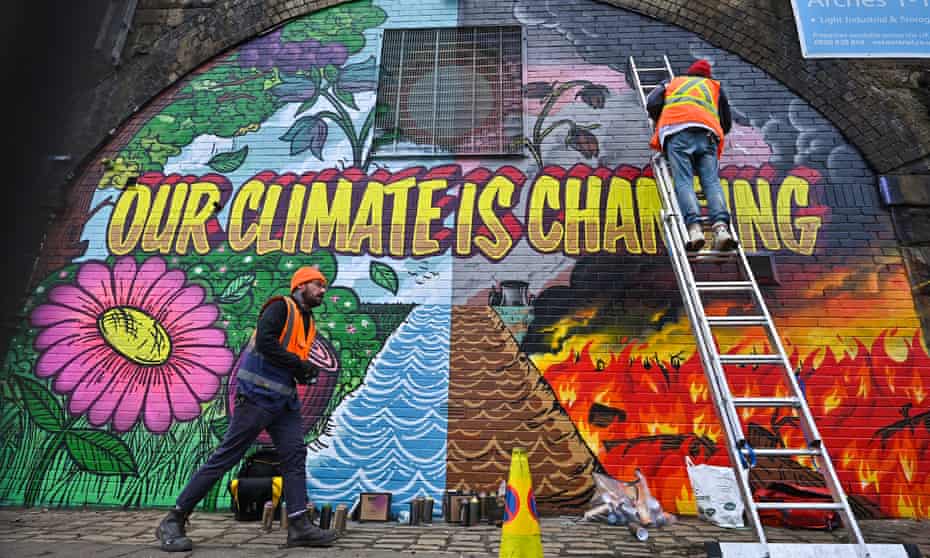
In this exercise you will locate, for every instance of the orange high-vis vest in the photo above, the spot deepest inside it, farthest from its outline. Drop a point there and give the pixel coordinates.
(293, 338)
(691, 99)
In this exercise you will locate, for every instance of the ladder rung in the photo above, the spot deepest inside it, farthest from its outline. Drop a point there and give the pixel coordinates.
(766, 402)
(783, 452)
(651, 69)
(648, 86)
(721, 286)
(798, 506)
(713, 255)
(737, 320)
(750, 359)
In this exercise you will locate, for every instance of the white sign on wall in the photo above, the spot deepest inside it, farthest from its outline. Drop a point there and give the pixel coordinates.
(863, 28)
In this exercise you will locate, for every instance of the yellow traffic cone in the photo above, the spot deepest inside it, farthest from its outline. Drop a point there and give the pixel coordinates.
(520, 536)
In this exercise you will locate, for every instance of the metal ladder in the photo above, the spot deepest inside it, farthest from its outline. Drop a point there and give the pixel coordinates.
(740, 452)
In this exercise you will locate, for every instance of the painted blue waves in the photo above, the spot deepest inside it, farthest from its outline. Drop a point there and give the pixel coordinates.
(390, 435)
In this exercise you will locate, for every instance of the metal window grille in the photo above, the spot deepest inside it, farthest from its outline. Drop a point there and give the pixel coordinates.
(450, 91)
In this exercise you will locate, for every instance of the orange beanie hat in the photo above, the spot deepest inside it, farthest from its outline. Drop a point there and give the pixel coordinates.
(304, 275)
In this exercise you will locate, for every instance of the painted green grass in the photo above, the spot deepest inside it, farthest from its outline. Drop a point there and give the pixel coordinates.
(139, 468)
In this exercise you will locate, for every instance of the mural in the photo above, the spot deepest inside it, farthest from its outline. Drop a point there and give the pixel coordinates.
(477, 304)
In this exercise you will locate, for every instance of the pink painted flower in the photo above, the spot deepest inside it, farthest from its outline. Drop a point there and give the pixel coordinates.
(131, 340)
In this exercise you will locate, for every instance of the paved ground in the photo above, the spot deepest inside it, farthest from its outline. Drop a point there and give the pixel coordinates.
(117, 534)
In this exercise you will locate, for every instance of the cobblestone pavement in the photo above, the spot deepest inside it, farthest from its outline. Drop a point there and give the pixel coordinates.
(114, 533)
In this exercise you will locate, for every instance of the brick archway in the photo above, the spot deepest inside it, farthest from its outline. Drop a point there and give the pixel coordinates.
(881, 107)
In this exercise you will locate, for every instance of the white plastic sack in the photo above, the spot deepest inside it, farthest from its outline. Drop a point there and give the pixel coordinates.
(716, 493)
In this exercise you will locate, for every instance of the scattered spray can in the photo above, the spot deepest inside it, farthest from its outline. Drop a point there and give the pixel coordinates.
(426, 515)
(638, 531)
(340, 519)
(474, 510)
(267, 516)
(326, 516)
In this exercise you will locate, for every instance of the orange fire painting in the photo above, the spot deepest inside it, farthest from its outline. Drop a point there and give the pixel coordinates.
(637, 409)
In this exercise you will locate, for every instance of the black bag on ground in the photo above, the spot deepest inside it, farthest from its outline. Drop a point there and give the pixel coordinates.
(253, 486)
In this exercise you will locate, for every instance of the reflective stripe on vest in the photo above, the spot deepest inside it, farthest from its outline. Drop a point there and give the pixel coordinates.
(247, 375)
(682, 95)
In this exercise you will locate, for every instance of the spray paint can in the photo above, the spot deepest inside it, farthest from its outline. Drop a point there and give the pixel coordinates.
(326, 516)
(455, 504)
(638, 531)
(415, 511)
(342, 511)
(463, 511)
(447, 498)
(267, 516)
(474, 510)
(284, 517)
(426, 513)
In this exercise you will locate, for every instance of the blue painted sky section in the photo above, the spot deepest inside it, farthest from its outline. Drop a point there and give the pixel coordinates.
(863, 28)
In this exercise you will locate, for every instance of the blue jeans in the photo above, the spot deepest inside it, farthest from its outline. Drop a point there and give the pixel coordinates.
(246, 424)
(696, 150)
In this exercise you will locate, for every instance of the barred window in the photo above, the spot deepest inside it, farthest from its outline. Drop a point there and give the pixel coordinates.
(450, 91)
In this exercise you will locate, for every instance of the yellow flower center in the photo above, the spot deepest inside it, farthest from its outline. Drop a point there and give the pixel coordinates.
(135, 335)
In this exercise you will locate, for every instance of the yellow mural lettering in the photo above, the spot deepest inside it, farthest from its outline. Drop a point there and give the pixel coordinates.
(324, 222)
(564, 213)
(500, 190)
(367, 225)
(248, 197)
(199, 208)
(650, 208)
(292, 223)
(163, 220)
(755, 214)
(464, 218)
(123, 235)
(619, 218)
(265, 244)
(400, 191)
(582, 220)
(545, 195)
(795, 188)
(423, 243)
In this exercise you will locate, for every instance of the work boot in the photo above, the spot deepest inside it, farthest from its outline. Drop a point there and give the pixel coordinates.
(301, 532)
(695, 238)
(172, 533)
(723, 242)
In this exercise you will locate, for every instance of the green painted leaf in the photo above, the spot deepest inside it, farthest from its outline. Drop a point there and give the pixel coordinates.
(219, 427)
(308, 104)
(237, 289)
(100, 452)
(346, 97)
(331, 73)
(228, 161)
(41, 405)
(384, 276)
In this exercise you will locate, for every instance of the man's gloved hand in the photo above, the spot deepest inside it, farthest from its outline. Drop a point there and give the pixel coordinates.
(307, 373)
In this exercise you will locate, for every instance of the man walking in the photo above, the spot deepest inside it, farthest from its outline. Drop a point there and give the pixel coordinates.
(692, 116)
(266, 399)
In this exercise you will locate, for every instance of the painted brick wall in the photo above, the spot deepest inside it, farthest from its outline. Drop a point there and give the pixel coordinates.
(540, 313)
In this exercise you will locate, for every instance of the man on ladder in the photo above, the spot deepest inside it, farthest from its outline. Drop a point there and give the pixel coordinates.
(692, 116)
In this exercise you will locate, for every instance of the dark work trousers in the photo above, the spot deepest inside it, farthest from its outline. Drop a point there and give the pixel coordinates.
(247, 422)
